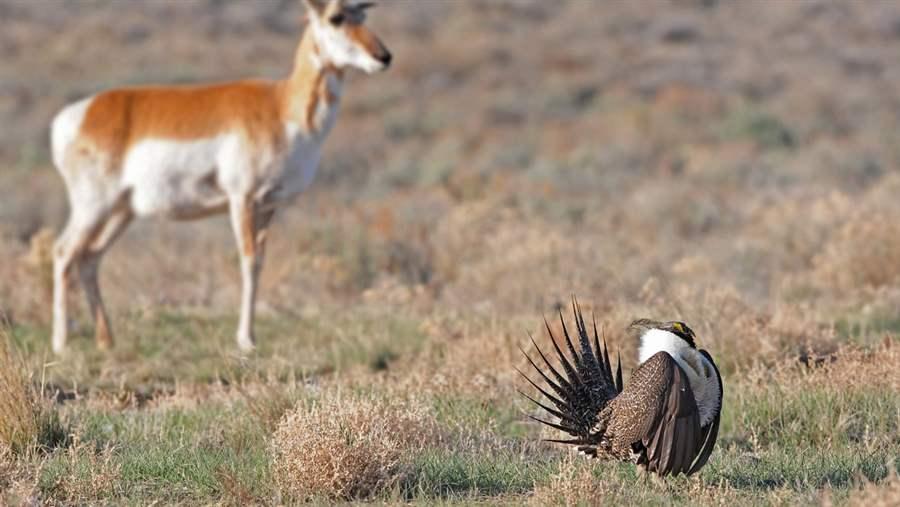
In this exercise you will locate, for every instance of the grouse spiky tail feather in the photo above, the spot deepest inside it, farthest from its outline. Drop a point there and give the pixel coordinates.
(584, 388)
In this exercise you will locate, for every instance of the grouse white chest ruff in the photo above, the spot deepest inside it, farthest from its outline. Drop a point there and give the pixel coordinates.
(666, 419)
(186, 152)
(700, 371)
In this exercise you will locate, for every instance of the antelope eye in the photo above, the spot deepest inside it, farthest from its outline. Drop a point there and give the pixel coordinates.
(337, 19)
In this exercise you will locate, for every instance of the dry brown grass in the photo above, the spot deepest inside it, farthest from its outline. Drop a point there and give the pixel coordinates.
(848, 368)
(346, 447)
(864, 253)
(85, 475)
(844, 398)
(883, 494)
(583, 483)
(18, 482)
(7, 465)
(30, 425)
(268, 403)
(20, 406)
(573, 484)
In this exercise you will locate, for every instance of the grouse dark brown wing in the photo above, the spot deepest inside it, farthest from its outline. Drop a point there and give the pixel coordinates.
(674, 438)
(710, 432)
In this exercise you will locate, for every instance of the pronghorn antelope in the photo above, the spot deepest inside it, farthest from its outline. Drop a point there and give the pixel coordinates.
(189, 152)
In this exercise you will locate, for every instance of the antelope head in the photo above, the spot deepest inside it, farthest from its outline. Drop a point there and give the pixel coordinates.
(342, 39)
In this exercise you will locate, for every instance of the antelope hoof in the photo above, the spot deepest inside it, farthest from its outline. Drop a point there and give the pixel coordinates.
(246, 343)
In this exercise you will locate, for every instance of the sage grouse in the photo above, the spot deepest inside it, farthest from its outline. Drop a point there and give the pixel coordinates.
(665, 420)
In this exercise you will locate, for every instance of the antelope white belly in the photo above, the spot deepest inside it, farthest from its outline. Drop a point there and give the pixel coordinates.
(178, 179)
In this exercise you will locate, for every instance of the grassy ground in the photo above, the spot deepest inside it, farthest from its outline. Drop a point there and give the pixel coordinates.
(790, 434)
(664, 162)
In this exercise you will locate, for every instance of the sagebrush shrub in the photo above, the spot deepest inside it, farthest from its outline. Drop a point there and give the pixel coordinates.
(347, 447)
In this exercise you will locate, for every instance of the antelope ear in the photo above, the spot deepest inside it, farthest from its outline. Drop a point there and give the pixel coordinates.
(316, 6)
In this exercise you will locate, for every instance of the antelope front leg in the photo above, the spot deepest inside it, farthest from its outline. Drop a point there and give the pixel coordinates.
(250, 226)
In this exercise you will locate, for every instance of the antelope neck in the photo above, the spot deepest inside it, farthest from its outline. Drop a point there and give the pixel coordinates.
(311, 84)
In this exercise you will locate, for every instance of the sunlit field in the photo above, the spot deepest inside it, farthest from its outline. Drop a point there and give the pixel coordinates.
(735, 165)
